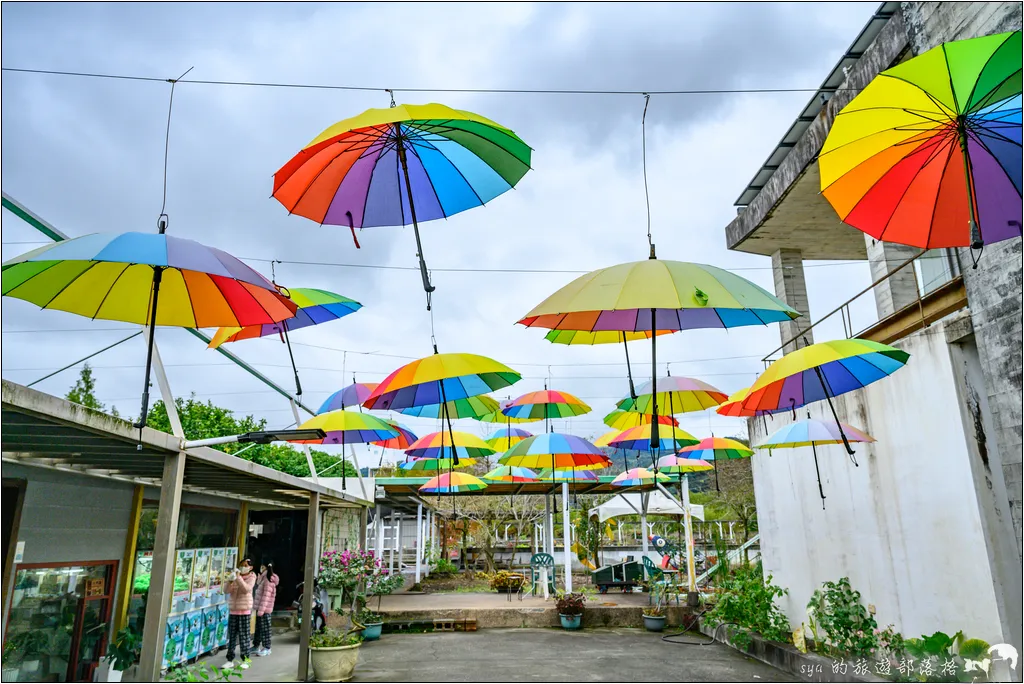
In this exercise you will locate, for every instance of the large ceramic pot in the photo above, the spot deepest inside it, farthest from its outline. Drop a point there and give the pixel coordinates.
(372, 631)
(654, 624)
(571, 621)
(334, 664)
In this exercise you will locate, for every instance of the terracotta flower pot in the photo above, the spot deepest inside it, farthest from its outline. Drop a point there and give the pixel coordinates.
(334, 664)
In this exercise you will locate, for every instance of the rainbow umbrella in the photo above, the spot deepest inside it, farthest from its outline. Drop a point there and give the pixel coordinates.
(470, 407)
(511, 474)
(733, 406)
(505, 438)
(499, 417)
(655, 295)
(568, 475)
(675, 395)
(555, 450)
(462, 444)
(403, 441)
(603, 440)
(641, 438)
(715, 448)
(146, 278)
(929, 153)
(453, 483)
(352, 395)
(822, 371)
(813, 433)
(636, 477)
(620, 420)
(673, 463)
(597, 337)
(546, 404)
(435, 464)
(348, 427)
(399, 166)
(440, 378)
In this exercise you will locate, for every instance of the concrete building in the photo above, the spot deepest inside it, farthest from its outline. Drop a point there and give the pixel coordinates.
(928, 526)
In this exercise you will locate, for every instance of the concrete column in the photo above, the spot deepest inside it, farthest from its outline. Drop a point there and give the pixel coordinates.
(643, 523)
(310, 571)
(566, 531)
(419, 539)
(691, 572)
(790, 287)
(549, 507)
(391, 546)
(363, 515)
(161, 584)
(378, 533)
(398, 543)
(899, 290)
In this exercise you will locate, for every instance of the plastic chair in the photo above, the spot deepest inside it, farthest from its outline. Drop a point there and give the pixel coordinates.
(658, 576)
(538, 562)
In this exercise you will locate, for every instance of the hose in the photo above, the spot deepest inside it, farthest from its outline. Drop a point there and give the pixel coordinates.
(674, 638)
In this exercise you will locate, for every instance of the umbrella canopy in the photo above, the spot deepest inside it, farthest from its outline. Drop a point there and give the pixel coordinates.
(437, 444)
(821, 371)
(675, 395)
(435, 464)
(453, 483)
(605, 439)
(568, 475)
(680, 465)
(348, 427)
(639, 438)
(353, 395)
(634, 477)
(403, 441)
(314, 307)
(599, 337)
(499, 417)
(733, 406)
(111, 276)
(555, 450)
(546, 404)
(451, 376)
(621, 420)
(511, 474)
(810, 432)
(470, 407)
(929, 153)
(505, 438)
(715, 448)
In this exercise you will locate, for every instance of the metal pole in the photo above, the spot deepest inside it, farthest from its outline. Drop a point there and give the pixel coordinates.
(391, 546)
(305, 447)
(419, 539)
(643, 522)
(566, 531)
(378, 533)
(691, 570)
(84, 358)
(158, 274)
(161, 586)
(427, 287)
(398, 543)
(308, 578)
(165, 393)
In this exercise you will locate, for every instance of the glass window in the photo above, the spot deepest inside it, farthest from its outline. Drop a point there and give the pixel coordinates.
(935, 268)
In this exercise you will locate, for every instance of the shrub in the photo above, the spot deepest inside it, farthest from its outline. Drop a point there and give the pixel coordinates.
(333, 638)
(443, 566)
(504, 580)
(748, 601)
(368, 617)
(570, 604)
(837, 610)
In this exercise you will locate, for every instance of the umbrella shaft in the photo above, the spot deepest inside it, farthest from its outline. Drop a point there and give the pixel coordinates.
(655, 436)
(158, 274)
(976, 240)
(427, 287)
(288, 343)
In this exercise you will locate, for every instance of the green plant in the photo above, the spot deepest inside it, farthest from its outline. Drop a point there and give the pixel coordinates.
(29, 643)
(201, 672)
(837, 610)
(748, 601)
(443, 566)
(570, 604)
(368, 617)
(503, 580)
(333, 638)
(125, 649)
(27, 581)
(659, 599)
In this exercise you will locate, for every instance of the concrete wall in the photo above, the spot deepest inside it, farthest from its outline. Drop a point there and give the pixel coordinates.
(904, 525)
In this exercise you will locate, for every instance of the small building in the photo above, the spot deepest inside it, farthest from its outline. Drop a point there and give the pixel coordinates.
(928, 525)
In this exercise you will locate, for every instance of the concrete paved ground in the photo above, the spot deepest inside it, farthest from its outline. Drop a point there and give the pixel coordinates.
(408, 601)
(529, 655)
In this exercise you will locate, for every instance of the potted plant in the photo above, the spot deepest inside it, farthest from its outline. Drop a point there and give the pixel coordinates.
(123, 654)
(654, 614)
(372, 624)
(333, 654)
(28, 648)
(570, 609)
(505, 582)
(379, 584)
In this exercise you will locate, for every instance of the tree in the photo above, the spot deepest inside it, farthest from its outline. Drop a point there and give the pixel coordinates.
(205, 420)
(488, 516)
(84, 390)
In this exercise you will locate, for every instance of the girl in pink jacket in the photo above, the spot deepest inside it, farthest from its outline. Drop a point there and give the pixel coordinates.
(266, 592)
(240, 586)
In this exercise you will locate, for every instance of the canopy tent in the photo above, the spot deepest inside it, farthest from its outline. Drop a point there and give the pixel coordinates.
(629, 503)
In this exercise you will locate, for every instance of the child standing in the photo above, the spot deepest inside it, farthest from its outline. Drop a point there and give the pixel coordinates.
(240, 589)
(266, 592)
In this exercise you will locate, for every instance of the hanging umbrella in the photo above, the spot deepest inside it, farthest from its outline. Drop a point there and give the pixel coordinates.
(505, 438)
(597, 337)
(453, 483)
(621, 420)
(499, 417)
(568, 475)
(605, 439)
(675, 395)
(929, 153)
(733, 406)
(641, 438)
(822, 371)
(146, 278)
(714, 449)
(399, 166)
(403, 441)
(440, 378)
(678, 465)
(636, 477)
(435, 464)
(545, 405)
(555, 450)
(653, 296)
(511, 474)
(348, 427)
(469, 407)
(436, 444)
(813, 433)
(352, 395)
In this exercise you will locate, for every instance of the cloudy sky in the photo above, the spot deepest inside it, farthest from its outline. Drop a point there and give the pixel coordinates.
(86, 155)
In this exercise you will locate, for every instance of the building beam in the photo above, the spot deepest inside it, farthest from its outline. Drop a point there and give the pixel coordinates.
(791, 287)
(936, 305)
(310, 571)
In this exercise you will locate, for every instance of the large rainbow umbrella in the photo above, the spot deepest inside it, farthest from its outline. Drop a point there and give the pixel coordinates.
(453, 483)
(511, 474)
(499, 417)
(929, 153)
(546, 404)
(403, 440)
(436, 444)
(822, 371)
(145, 278)
(676, 394)
(568, 475)
(673, 463)
(469, 407)
(636, 477)
(435, 464)
(399, 166)
(605, 439)
(505, 438)
(348, 427)
(714, 449)
(555, 451)
(642, 438)
(813, 433)
(351, 395)
(620, 420)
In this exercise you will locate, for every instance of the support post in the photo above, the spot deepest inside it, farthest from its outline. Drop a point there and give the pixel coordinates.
(643, 522)
(165, 390)
(419, 539)
(691, 570)
(391, 546)
(566, 531)
(162, 575)
(305, 447)
(312, 563)
(124, 589)
(398, 544)
(364, 513)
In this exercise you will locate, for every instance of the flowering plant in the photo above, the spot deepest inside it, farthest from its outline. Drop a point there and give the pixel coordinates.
(347, 569)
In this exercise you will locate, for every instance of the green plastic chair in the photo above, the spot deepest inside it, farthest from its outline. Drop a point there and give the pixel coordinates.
(658, 576)
(538, 562)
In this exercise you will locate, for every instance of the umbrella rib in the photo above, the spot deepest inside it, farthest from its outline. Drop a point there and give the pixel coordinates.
(933, 154)
(988, 61)
(323, 170)
(458, 171)
(107, 294)
(492, 143)
(92, 264)
(430, 183)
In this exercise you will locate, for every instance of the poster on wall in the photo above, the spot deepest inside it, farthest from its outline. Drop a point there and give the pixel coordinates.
(183, 580)
(201, 573)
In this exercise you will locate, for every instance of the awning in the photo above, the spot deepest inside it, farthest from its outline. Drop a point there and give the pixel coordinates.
(657, 504)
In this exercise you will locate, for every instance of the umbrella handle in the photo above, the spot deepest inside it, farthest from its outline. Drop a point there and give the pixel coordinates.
(158, 273)
(352, 227)
(629, 371)
(818, 473)
(828, 396)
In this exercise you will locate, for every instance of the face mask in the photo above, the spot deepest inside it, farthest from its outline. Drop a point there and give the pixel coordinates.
(244, 570)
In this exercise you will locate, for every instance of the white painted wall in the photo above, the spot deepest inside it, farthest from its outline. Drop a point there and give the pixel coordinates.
(905, 525)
